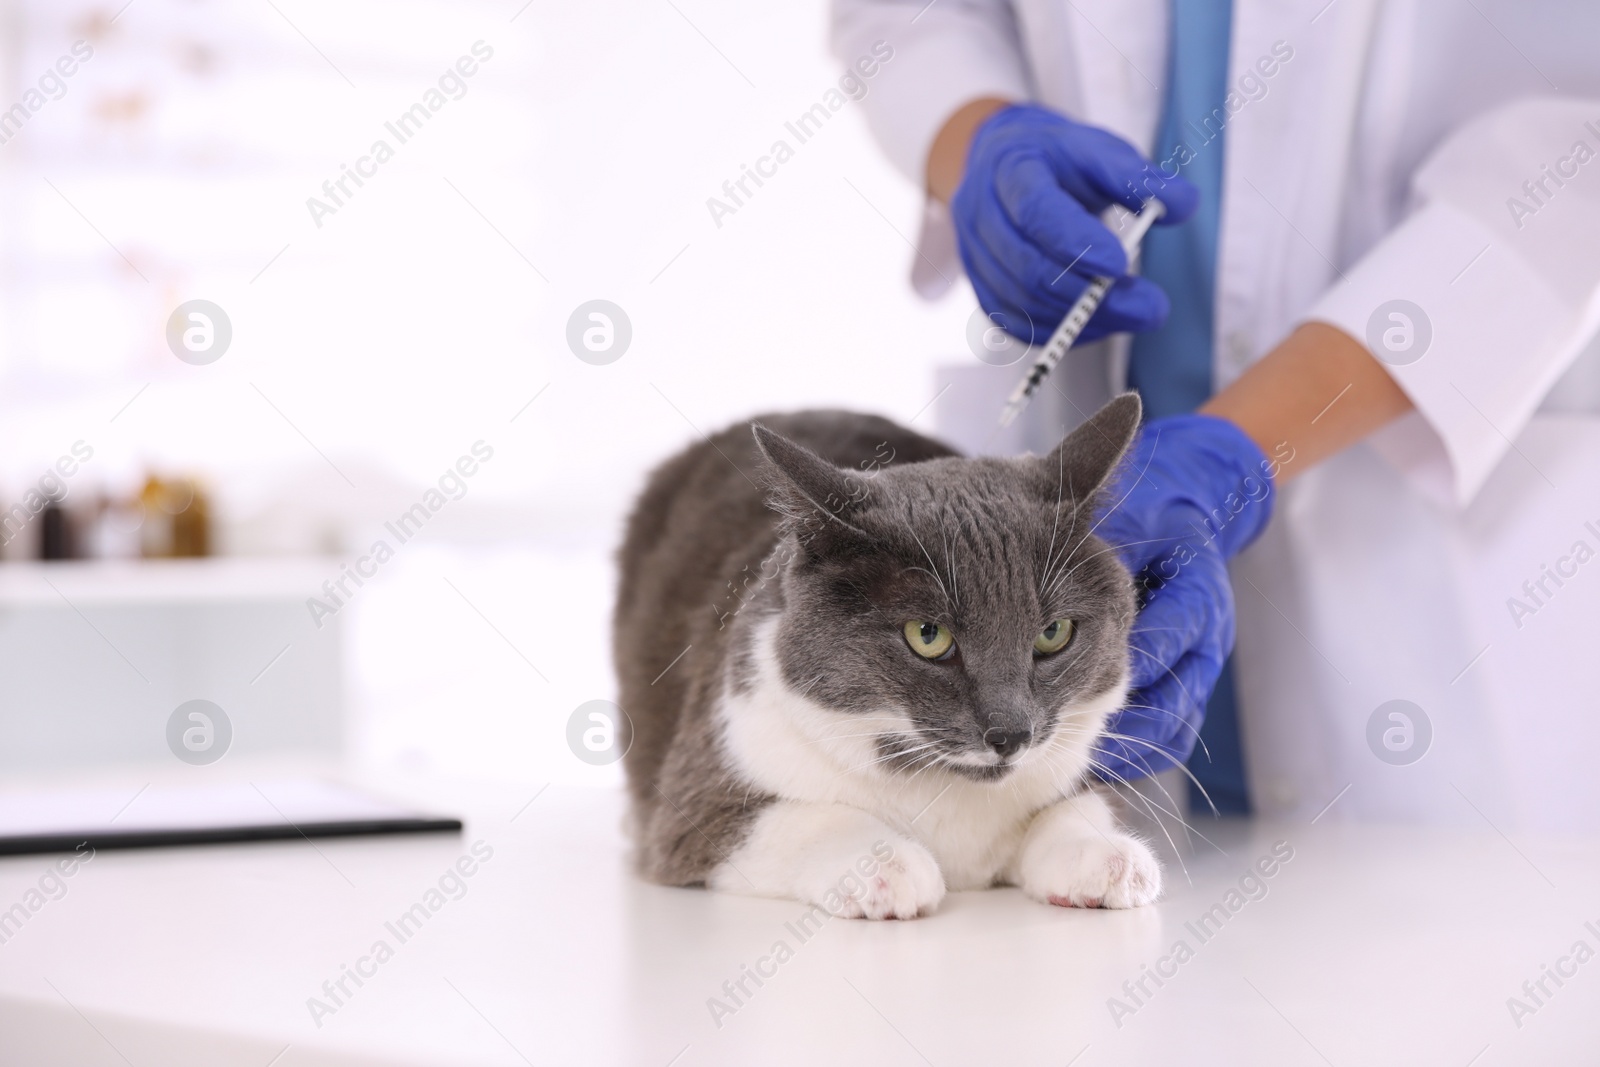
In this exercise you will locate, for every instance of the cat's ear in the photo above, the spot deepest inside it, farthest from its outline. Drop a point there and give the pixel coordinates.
(805, 487)
(1079, 467)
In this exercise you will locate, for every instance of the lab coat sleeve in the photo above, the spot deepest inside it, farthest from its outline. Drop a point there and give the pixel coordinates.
(1499, 263)
(945, 54)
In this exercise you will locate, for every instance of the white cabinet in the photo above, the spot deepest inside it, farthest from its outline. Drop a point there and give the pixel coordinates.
(96, 657)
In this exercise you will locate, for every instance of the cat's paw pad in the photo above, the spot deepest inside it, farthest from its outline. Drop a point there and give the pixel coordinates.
(904, 886)
(1094, 873)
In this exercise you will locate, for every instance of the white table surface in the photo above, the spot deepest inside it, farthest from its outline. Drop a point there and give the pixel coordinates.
(1373, 945)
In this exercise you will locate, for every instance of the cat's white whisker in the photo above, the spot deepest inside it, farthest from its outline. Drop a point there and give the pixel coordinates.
(950, 564)
(811, 684)
(895, 754)
(935, 759)
(1169, 670)
(935, 571)
(1148, 802)
(1174, 764)
(1050, 559)
(1093, 735)
(1187, 826)
(1130, 793)
(848, 720)
(881, 732)
(1109, 548)
(1123, 498)
(1185, 723)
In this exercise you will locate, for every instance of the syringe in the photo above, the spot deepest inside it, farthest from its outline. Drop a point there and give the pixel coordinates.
(1078, 317)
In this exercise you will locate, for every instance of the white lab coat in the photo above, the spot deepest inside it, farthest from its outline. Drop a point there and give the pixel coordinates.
(1380, 161)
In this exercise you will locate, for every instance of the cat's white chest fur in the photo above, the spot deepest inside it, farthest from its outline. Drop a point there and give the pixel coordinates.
(795, 749)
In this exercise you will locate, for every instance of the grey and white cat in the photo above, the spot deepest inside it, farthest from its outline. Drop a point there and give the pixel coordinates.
(898, 662)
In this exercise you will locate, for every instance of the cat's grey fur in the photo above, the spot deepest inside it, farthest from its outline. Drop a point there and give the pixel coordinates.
(821, 534)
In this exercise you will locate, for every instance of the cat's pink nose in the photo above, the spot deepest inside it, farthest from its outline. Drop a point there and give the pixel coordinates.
(1007, 743)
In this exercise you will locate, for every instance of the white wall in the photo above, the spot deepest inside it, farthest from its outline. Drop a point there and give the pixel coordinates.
(406, 327)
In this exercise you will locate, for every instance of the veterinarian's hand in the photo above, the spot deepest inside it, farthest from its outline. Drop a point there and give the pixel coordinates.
(1026, 222)
(1193, 493)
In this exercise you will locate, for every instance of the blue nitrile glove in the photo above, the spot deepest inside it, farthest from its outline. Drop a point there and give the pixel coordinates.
(1026, 219)
(1192, 494)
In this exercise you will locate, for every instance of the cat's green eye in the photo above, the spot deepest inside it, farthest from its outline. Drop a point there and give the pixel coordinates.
(928, 639)
(1053, 638)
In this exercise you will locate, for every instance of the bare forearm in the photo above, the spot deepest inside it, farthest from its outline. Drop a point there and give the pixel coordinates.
(1320, 391)
(947, 159)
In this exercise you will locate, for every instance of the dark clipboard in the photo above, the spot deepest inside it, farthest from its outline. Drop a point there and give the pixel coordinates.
(98, 840)
(219, 813)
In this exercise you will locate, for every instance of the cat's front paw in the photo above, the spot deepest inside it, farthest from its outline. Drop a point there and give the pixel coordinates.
(1117, 871)
(906, 885)
(842, 859)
